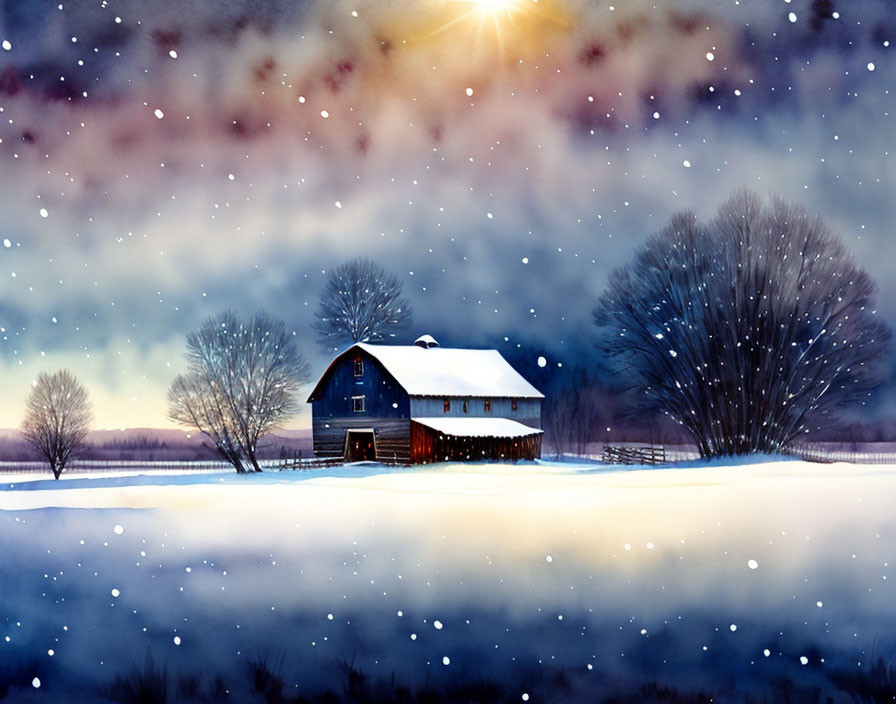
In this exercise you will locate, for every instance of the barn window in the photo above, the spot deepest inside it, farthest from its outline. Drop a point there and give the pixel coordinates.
(358, 404)
(513, 405)
(446, 405)
(487, 405)
(466, 407)
(359, 367)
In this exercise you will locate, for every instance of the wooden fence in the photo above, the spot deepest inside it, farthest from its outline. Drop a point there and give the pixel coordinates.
(100, 466)
(821, 453)
(649, 454)
(119, 466)
(308, 463)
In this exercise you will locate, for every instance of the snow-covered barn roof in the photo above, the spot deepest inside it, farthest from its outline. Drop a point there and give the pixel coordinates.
(479, 427)
(444, 371)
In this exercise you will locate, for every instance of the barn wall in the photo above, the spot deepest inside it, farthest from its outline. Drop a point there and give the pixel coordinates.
(385, 398)
(387, 410)
(428, 445)
(392, 436)
(528, 410)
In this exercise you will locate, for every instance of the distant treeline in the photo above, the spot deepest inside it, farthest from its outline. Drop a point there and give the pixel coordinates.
(146, 448)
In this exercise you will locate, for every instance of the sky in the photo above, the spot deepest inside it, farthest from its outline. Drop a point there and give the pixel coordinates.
(162, 162)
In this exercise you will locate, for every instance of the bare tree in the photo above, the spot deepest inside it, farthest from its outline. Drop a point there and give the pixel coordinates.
(360, 301)
(197, 402)
(243, 380)
(57, 418)
(575, 412)
(748, 331)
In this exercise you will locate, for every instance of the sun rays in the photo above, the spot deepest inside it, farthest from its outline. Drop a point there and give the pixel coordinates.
(503, 21)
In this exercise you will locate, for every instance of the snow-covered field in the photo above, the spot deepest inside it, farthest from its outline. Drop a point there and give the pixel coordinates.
(552, 582)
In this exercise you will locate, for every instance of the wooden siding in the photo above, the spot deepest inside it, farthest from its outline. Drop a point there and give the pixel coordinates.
(392, 437)
(384, 397)
(528, 410)
(428, 445)
(386, 410)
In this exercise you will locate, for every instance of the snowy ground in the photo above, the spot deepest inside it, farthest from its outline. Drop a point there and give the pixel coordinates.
(561, 582)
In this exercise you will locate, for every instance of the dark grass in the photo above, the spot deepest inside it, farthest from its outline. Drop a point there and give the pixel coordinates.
(18, 673)
(874, 685)
(264, 681)
(146, 686)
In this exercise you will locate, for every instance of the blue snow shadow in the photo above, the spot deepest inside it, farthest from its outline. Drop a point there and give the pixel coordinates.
(149, 478)
(361, 470)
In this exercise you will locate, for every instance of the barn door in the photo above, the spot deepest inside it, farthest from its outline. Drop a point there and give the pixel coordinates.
(360, 446)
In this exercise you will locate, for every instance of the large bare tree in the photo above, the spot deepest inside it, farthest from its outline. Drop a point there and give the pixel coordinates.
(360, 301)
(749, 331)
(57, 418)
(243, 380)
(196, 402)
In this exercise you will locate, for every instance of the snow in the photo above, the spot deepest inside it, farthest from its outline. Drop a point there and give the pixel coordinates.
(366, 562)
(446, 371)
(478, 427)
(426, 342)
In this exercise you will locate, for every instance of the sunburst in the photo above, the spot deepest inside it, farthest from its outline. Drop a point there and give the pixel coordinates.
(491, 16)
(495, 11)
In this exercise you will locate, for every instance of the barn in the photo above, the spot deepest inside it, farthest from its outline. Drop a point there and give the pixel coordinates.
(424, 403)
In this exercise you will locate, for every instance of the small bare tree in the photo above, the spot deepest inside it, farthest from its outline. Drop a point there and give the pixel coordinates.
(748, 331)
(575, 412)
(242, 381)
(360, 301)
(57, 418)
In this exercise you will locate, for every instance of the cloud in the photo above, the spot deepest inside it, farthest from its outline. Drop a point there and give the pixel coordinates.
(293, 137)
